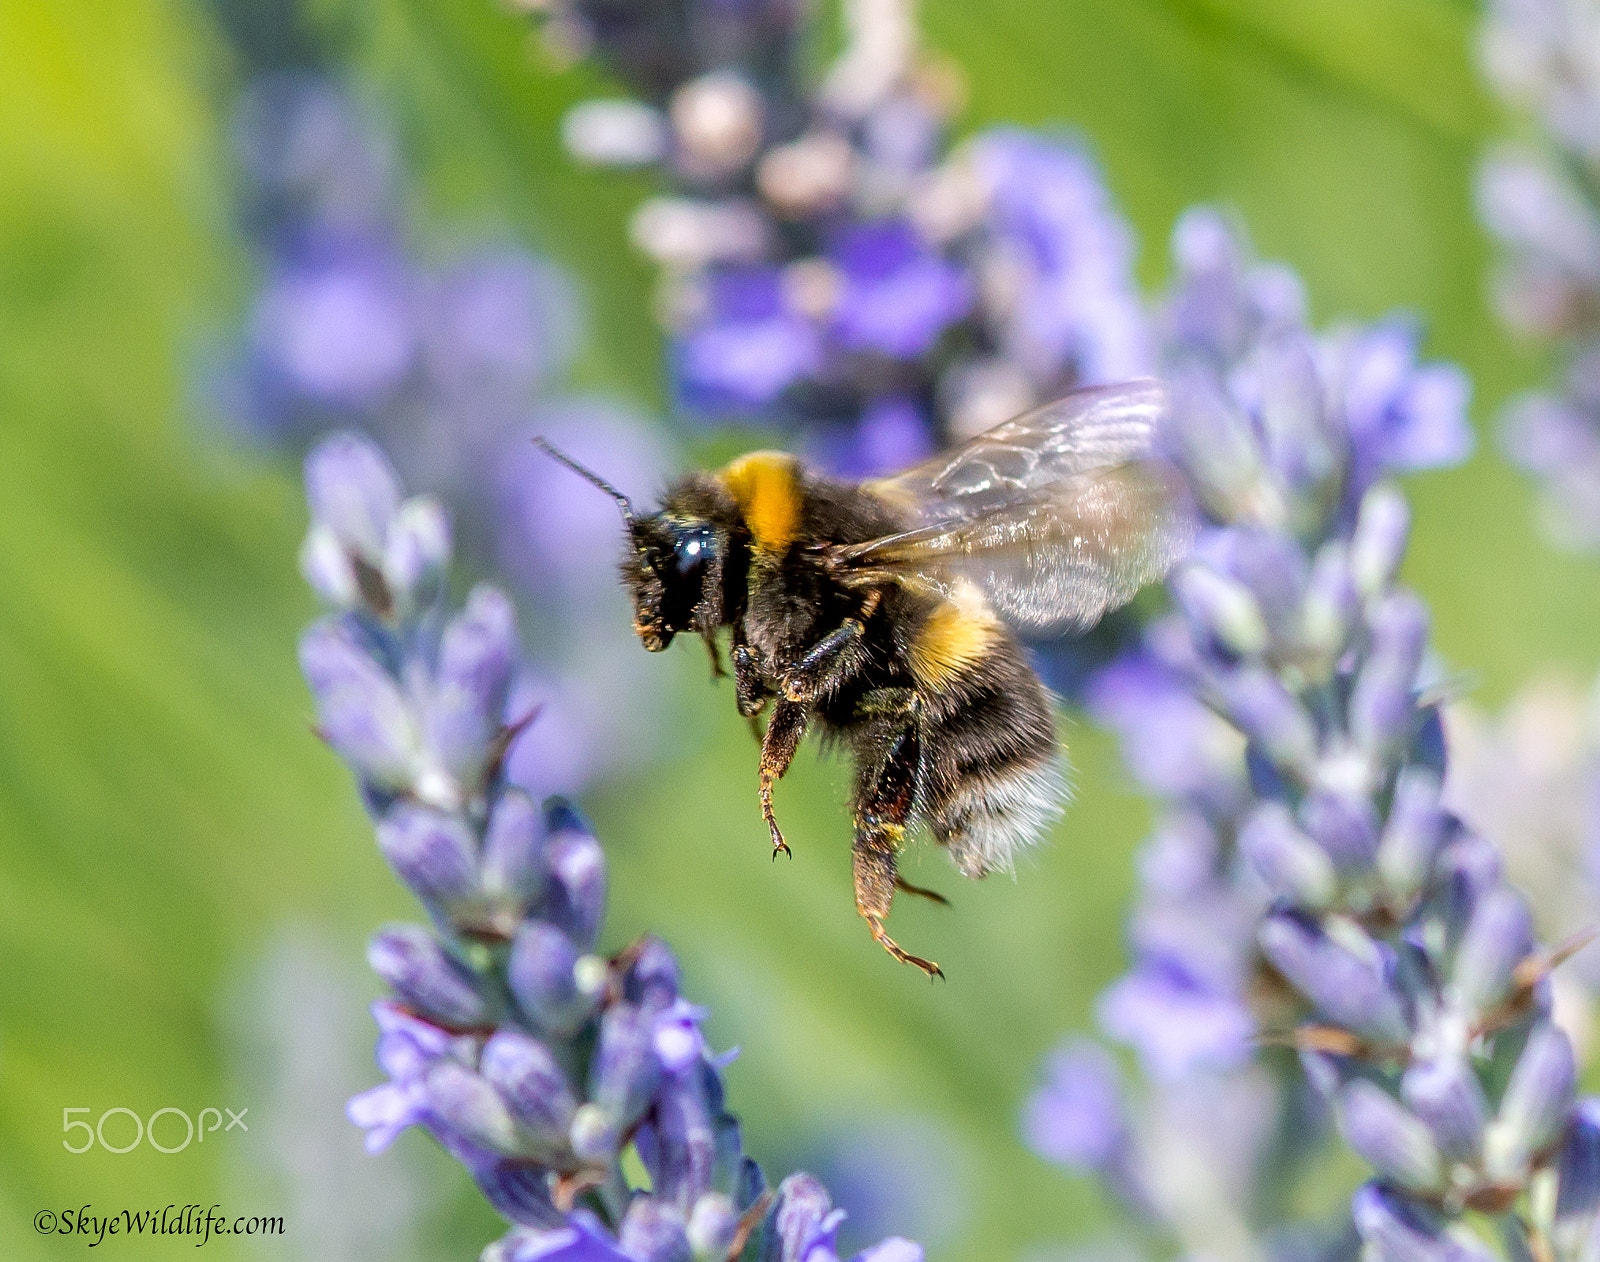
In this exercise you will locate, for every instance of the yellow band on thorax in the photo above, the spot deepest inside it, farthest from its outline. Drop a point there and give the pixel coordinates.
(766, 486)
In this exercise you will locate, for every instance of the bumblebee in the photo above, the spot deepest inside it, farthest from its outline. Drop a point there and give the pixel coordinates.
(885, 614)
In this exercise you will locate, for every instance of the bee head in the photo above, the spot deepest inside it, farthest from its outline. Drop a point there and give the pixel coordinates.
(665, 564)
(665, 570)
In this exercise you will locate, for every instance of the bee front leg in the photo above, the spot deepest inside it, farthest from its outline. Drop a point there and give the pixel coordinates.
(885, 794)
(787, 726)
(750, 687)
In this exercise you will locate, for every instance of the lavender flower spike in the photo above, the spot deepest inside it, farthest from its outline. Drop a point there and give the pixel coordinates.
(1314, 879)
(537, 1062)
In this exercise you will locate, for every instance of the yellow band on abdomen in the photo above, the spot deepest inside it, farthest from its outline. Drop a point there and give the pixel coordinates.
(955, 635)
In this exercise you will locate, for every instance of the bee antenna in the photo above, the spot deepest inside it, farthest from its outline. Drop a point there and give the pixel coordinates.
(588, 475)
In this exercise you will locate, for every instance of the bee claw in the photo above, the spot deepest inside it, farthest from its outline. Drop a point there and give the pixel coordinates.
(903, 956)
(780, 846)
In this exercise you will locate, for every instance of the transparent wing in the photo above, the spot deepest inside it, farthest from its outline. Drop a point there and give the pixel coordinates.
(1097, 428)
(1059, 515)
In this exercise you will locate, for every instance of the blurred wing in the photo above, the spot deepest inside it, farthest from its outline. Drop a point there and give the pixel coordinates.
(1059, 515)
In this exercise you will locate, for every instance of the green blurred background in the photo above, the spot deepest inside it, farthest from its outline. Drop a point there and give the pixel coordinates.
(167, 821)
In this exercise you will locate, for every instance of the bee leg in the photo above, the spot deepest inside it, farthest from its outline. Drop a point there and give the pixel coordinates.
(717, 671)
(835, 657)
(885, 794)
(832, 659)
(750, 689)
(933, 896)
(784, 730)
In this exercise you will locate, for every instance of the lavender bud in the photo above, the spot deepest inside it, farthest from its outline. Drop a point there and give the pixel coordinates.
(353, 491)
(685, 1151)
(467, 1104)
(1446, 1095)
(1349, 990)
(1221, 608)
(1497, 938)
(417, 551)
(468, 701)
(1401, 1230)
(327, 568)
(1292, 865)
(1395, 1142)
(594, 1136)
(894, 1249)
(1322, 1072)
(1343, 825)
(1292, 413)
(360, 710)
(425, 977)
(803, 1215)
(653, 976)
(678, 1042)
(1412, 836)
(512, 845)
(1330, 606)
(807, 175)
(653, 1231)
(1265, 711)
(1534, 1109)
(626, 1070)
(433, 853)
(1578, 1182)
(575, 897)
(713, 1223)
(532, 1085)
(1382, 524)
(520, 1192)
(542, 971)
(580, 1238)
(618, 133)
(1383, 703)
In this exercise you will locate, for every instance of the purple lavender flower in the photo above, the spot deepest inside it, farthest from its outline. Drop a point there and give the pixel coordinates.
(448, 357)
(1306, 884)
(1176, 1021)
(535, 1061)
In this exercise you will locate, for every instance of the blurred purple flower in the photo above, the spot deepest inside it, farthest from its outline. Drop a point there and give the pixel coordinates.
(338, 329)
(896, 295)
(749, 348)
(1076, 313)
(1176, 1023)
(1076, 1115)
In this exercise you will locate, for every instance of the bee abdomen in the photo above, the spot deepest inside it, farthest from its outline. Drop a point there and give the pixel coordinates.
(994, 775)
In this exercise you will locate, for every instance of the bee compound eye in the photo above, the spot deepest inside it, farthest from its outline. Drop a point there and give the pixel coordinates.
(692, 552)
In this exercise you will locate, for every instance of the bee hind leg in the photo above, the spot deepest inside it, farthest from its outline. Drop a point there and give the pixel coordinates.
(874, 861)
(884, 797)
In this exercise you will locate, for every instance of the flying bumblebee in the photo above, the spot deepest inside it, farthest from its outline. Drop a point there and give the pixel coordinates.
(885, 614)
